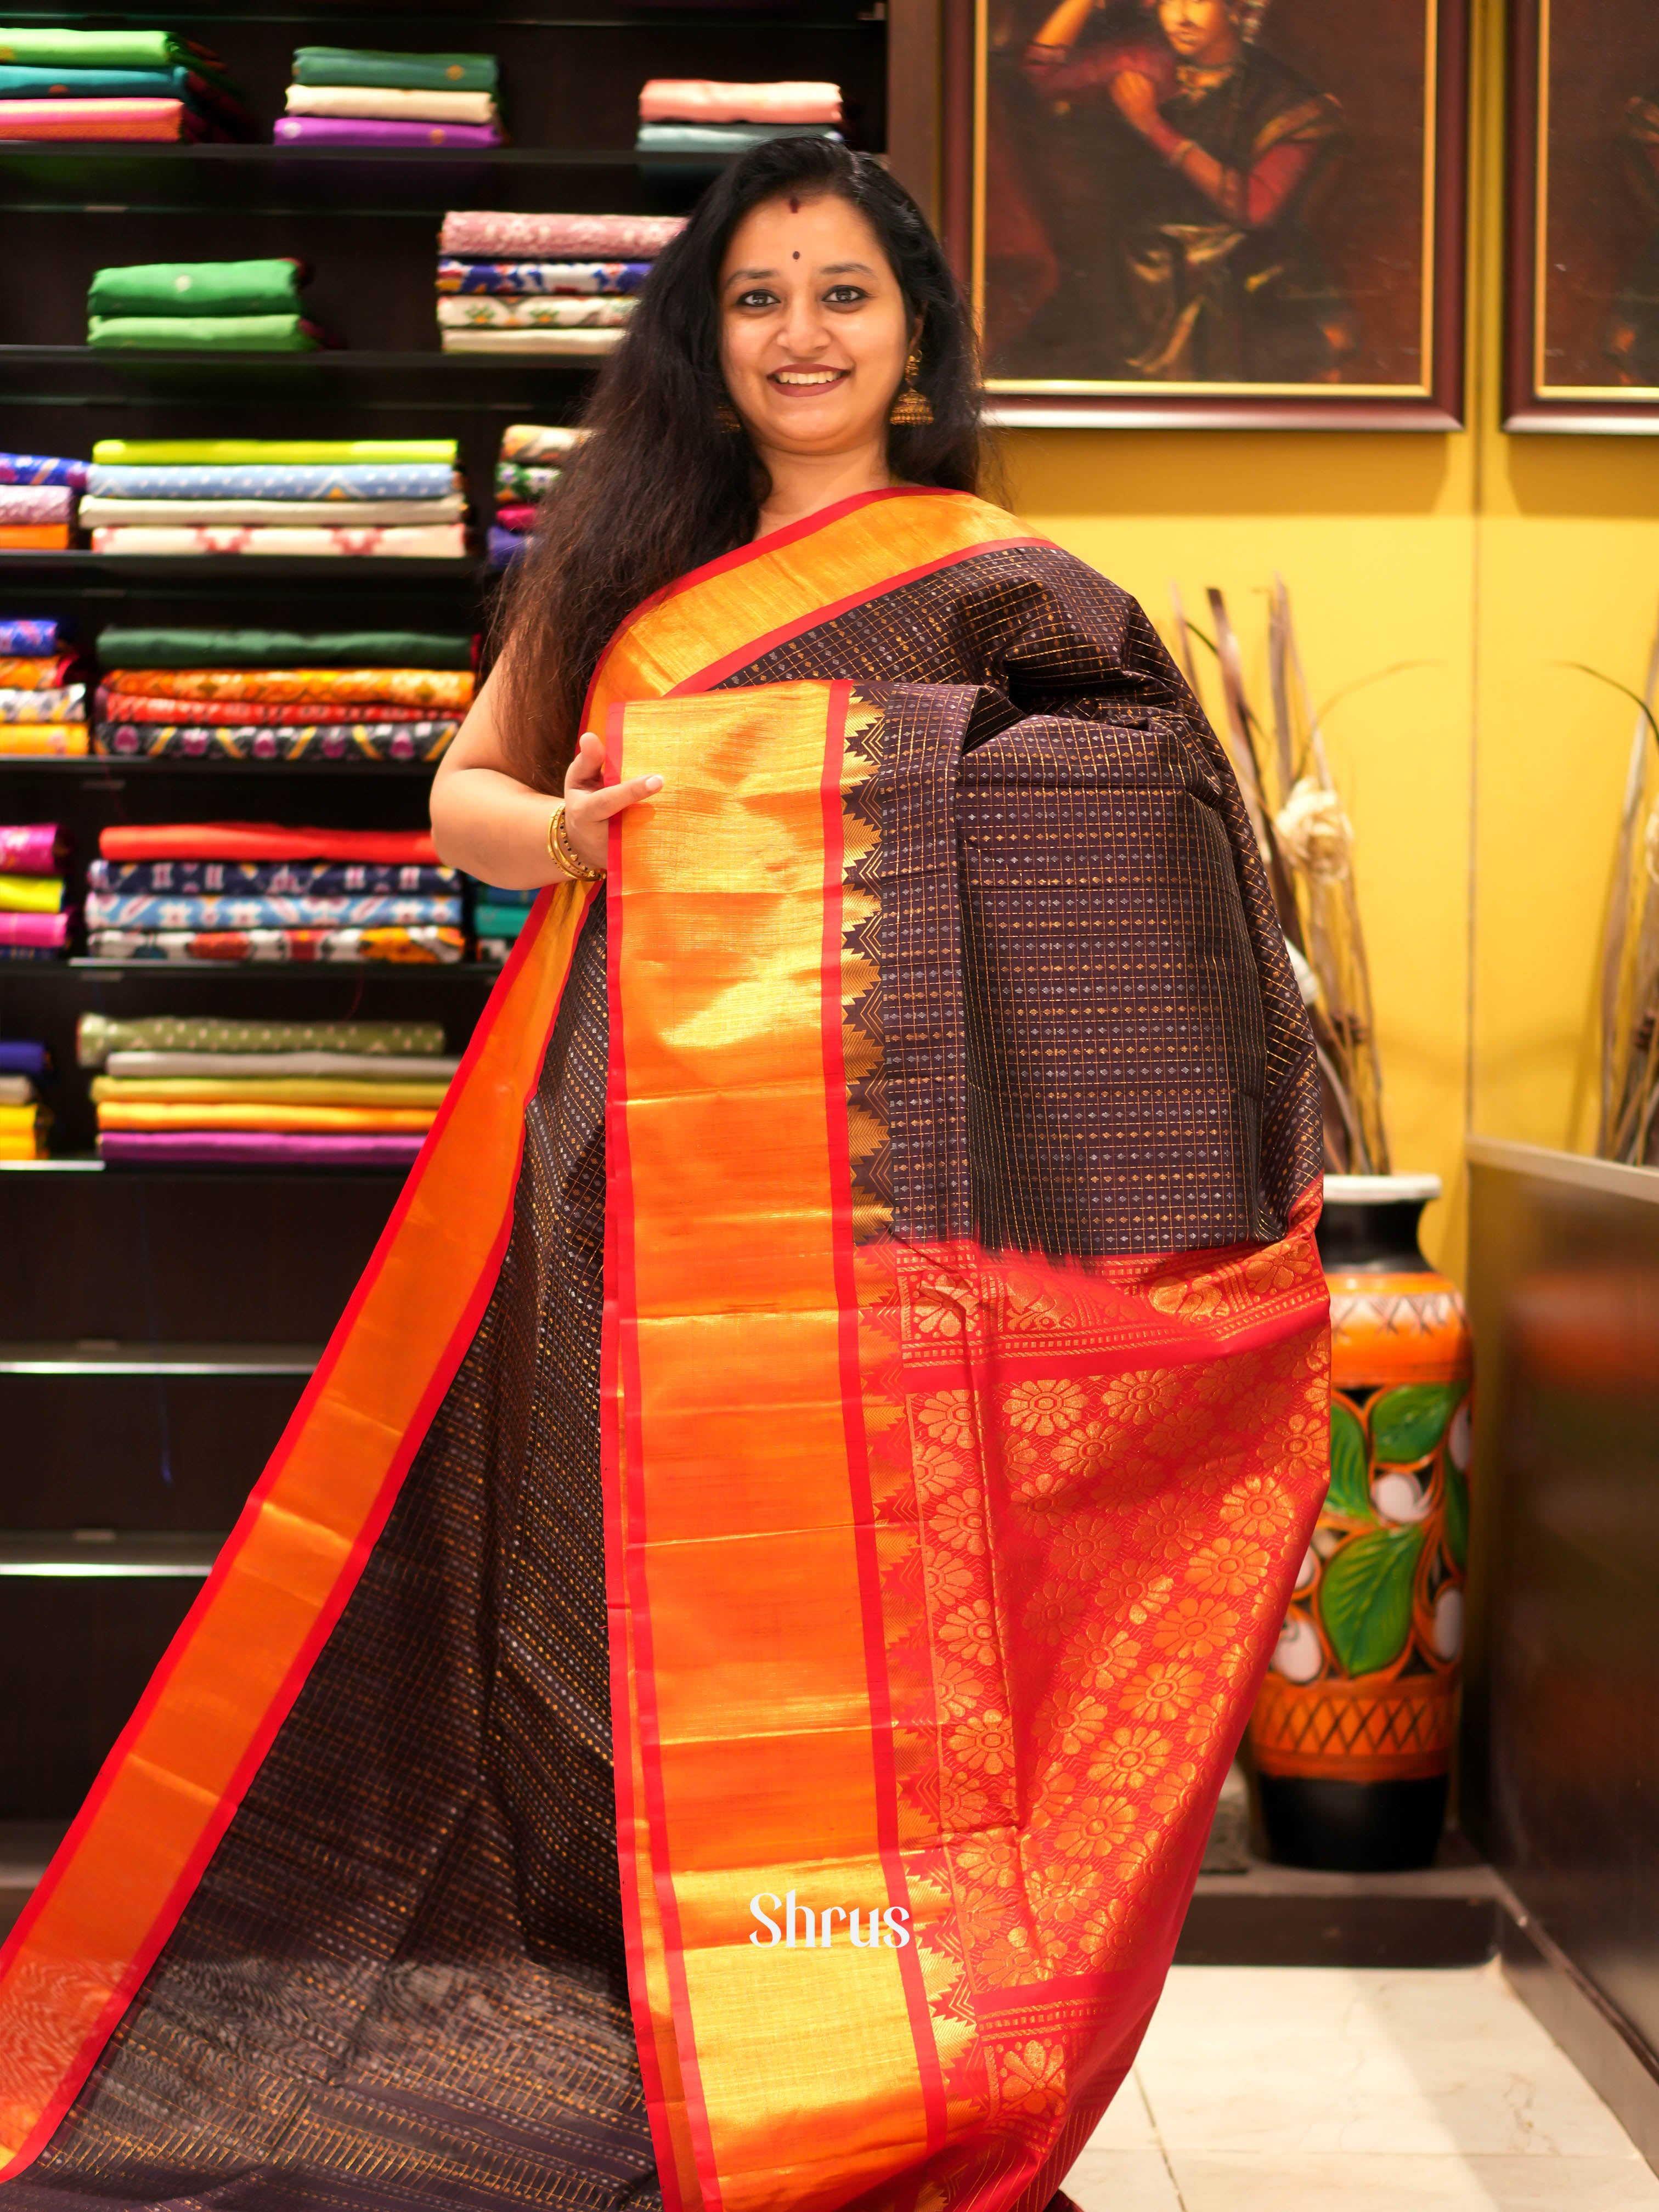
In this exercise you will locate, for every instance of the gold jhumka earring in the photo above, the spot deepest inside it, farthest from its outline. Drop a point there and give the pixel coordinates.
(912, 405)
(726, 417)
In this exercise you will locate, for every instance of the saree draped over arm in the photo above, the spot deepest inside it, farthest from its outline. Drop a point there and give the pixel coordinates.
(853, 1340)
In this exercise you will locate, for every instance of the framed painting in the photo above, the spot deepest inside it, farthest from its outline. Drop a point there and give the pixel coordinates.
(1584, 217)
(1212, 213)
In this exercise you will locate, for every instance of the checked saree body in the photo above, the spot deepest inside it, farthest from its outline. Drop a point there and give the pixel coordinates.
(835, 1415)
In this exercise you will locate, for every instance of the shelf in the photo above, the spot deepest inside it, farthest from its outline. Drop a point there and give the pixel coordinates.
(60, 376)
(419, 184)
(736, 15)
(89, 1164)
(108, 768)
(98, 1554)
(220, 971)
(399, 183)
(115, 574)
(95, 1359)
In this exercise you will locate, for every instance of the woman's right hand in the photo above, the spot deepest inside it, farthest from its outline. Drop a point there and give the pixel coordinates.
(589, 802)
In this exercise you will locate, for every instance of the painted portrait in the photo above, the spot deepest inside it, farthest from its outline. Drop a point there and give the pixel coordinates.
(1207, 199)
(1584, 214)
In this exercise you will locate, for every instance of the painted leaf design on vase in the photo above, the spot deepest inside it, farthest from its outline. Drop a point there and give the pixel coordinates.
(1456, 1524)
(1350, 1494)
(1409, 1420)
(1366, 1597)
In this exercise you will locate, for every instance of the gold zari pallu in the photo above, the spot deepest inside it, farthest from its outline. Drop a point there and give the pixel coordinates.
(944, 1559)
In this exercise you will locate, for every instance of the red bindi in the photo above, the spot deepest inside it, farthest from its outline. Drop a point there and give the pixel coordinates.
(798, 253)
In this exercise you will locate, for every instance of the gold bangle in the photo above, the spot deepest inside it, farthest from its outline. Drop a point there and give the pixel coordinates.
(564, 855)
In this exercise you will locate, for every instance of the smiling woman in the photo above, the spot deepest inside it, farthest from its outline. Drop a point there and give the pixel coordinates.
(836, 1413)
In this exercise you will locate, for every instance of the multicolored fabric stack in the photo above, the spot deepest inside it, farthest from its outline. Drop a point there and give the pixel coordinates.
(181, 1087)
(360, 96)
(43, 709)
(250, 892)
(498, 915)
(700, 118)
(202, 307)
(532, 456)
(281, 695)
(561, 284)
(37, 493)
(35, 919)
(368, 498)
(24, 1121)
(145, 85)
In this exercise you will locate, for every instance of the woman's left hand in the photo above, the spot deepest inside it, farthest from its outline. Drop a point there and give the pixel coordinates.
(589, 803)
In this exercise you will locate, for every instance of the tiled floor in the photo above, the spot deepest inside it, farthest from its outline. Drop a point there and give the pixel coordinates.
(1310, 2089)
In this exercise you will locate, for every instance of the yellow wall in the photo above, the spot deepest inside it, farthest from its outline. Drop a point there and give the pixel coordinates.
(1484, 787)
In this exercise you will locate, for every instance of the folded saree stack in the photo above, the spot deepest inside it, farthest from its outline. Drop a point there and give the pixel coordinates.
(183, 1088)
(35, 919)
(699, 117)
(37, 494)
(378, 498)
(24, 1061)
(43, 710)
(360, 96)
(202, 307)
(251, 892)
(532, 456)
(281, 695)
(561, 284)
(129, 85)
(498, 915)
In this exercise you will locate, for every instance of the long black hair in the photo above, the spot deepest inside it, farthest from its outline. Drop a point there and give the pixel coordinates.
(659, 486)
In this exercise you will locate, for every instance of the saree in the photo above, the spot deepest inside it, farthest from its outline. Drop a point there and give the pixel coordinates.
(720, 1695)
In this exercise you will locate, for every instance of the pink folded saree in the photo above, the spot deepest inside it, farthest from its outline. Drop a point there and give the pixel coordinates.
(133, 118)
(703, 100)
(480, 232)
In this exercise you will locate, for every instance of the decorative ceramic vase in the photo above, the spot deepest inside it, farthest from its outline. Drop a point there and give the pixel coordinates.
(1353, 1733)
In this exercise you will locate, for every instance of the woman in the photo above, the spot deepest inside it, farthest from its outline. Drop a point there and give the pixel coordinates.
(1228, 152)
(852, 1342)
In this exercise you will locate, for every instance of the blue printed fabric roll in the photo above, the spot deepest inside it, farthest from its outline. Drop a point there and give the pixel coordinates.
(266, 878)
(494, 895)
(43, 469)
(22, 1056)
(112, 910)
(30, 637)
(276, 480)
(510, 278)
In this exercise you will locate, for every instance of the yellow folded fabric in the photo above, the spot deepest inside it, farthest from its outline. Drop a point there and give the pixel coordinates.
(31, 894)
(61, 739)
(22, 1148)
(258, 1090)
(18, 1123)
(384, 1120)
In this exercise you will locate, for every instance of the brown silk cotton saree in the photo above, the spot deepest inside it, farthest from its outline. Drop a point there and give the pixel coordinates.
(720, 1693)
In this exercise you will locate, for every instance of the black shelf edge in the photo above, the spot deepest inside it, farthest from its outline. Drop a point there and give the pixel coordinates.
(509, 15)
(79, 375)
(110, 768)
(80, 568)
(82, 967)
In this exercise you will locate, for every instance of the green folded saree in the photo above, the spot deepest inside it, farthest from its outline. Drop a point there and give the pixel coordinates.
(240, 452)
(191, 289)
(97, 1036)
(201, 333)
(119, 647)
(49, 47)
(370, 65)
